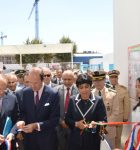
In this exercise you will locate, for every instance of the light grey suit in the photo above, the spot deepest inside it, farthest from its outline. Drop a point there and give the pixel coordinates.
(9, 109)
(63, 133)
(60, 89)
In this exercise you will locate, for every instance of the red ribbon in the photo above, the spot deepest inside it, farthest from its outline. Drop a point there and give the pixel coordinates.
(110, 123)
(114, 123)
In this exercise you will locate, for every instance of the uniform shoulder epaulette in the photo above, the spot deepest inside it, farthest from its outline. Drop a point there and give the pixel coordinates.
(112, 90)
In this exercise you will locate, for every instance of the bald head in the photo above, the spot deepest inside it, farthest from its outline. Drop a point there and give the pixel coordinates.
(68, 78)
(36, 78)
(12, 81)
(1, 71)
(3, 85)
(35, 70)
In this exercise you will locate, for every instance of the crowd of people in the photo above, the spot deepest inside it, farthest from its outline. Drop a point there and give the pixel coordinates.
(61, 111)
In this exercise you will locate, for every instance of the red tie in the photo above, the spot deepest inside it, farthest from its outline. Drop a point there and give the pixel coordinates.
(36, 98)
(67, 100)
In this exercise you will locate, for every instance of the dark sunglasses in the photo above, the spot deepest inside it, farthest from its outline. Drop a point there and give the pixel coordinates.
(47, 75)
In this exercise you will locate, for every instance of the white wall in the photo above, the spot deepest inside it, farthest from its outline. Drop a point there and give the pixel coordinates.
(95, 61)
(107, 59)
(126, 33)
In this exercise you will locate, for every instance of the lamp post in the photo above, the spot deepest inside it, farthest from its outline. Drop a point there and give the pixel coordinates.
(2, 37)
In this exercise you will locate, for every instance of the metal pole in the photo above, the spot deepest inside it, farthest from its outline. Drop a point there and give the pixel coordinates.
(36, 21)
(20, 59)
(72, 59)
(2, 37)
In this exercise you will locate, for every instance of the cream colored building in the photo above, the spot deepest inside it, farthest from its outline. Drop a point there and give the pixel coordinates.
(8, 52)
(126, 33)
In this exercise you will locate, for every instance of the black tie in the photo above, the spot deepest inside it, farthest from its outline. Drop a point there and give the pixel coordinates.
(113, 87)
(37, 98)
(59, 81)
(100, 94)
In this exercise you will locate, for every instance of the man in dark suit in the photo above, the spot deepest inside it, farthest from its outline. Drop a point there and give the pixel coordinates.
(19, 95)
(19, 92)
(40, 114)
(58, 78)
(62, 129)
(8, 108)
(47, 77)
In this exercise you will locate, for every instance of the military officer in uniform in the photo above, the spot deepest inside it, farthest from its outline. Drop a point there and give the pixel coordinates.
(110, 100)
(20, 79)
(124, 104)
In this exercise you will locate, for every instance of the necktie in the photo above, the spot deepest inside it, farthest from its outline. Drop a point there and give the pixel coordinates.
(67, 100)
(113, 87)
(100, 94)
(37, 98)
(59, 81)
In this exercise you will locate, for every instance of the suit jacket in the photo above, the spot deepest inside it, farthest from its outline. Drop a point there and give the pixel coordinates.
(53, 85)
(90, 110)
(9, 109)
(19, 95)
(46, 113)
(56, 81)
(60, 89)
(63, 133)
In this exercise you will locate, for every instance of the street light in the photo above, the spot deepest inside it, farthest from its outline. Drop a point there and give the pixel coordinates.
(2, 37)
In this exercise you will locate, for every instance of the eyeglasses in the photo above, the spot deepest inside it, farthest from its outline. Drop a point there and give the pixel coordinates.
(47, 75)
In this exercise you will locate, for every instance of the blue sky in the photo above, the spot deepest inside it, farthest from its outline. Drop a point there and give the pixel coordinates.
(89, 23)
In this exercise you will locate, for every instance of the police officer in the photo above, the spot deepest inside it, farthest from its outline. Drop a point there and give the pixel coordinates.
(110, 100)
(124, 104)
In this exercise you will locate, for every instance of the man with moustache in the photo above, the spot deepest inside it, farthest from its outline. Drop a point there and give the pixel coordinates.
(65, 90)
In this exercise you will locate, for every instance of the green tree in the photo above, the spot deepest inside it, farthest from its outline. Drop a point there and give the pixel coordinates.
(68, 40)
(34, 58)
(66, 57)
